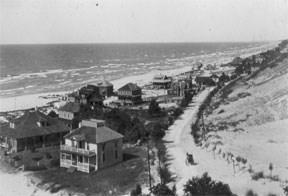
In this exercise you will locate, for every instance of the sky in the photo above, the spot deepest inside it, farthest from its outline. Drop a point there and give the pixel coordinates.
(121, 21)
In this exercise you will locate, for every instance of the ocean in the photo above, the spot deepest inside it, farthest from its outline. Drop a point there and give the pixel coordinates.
(27, 69)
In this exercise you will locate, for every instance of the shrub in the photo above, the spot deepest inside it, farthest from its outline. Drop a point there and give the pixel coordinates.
(250, 193)
(221, 111)
(165, 174)
(285, 189)
(204, 185)
(177, 112)
(136, 191)
(162, 189)
(154, 108)
(257, 175)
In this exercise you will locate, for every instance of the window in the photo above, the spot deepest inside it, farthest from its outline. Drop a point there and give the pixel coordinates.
(103, 147)
(68, 156)
(103, 157)
(116, 144)
(80, 159)
(116, 154)
(63, 156)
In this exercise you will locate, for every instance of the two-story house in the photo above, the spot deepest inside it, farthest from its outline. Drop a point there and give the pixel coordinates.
(130, 94)
(161, 82)
(105, 88)
(91, 147)
(68, 112)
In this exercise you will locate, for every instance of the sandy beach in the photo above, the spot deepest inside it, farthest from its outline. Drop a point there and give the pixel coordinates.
(35, 100)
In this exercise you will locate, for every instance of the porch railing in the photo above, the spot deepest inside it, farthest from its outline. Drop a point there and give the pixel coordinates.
(78, 150)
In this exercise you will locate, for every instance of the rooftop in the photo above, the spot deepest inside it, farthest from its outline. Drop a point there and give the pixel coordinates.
(93, 135)
(28, 126)
(129, 87)
(70, 107)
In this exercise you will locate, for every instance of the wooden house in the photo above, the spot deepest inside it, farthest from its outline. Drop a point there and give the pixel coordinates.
(87, 95)
(32, 130)
(161, 82)
(130, 94)
(68, 112)
(91, 147)
(105, 88)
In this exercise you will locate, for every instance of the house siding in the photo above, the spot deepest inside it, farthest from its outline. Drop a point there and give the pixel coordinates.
(109, 153)
(66, 115)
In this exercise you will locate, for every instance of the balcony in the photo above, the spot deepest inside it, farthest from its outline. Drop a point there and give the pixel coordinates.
(80, 151)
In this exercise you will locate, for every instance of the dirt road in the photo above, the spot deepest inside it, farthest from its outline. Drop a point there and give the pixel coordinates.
(179, 141)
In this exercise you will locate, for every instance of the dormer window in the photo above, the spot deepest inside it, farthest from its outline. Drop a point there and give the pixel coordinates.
(42, 122)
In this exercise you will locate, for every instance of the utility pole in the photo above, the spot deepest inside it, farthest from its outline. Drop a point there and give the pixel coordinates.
(149, 164)
(203, 124)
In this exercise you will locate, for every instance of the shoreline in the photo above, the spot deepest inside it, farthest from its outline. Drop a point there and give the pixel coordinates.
(27, 101)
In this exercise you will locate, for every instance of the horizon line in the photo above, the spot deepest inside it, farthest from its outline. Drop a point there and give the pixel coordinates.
(58, 43)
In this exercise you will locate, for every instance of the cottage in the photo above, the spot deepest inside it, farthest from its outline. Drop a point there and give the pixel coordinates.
(91, 147)
(32, 130)
(130, 94)
(161, 82)
(105, 88)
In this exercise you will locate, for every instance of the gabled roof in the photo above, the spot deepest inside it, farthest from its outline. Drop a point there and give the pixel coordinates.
(70, 107)
(27, 126)
(93, 135)
(88, 90)
(129, 87)
(161, 79)
(104, 83)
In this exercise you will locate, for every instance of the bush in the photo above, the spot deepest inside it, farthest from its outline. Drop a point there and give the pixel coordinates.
(136, 191)
(154, 108)
(251, 193)
(177, 112)
(285, 189)
(204, 185)
(257, 175)
(162, 189)
(165, 174)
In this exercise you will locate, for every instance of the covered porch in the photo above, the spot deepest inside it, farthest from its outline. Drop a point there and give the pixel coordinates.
(81, 162)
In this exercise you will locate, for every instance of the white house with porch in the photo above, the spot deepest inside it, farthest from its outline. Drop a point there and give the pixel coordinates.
(91, 146)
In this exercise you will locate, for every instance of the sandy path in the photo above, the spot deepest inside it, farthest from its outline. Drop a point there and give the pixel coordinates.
(179, 141)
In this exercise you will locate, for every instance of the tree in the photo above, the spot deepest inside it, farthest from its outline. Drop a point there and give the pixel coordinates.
(154, 108)
(285, 189)
(118, 120)
(177, 112)
(204, 185)
(136, 130)
(136, 191)
(157, 131)
(162, 189)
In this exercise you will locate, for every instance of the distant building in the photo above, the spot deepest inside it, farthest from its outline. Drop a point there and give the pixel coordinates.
(68, 112)
(161, 82)
(180, 88)
(130, 94)
(91, 147)
(205, 80)
(105, 88)
(87, 95)
(32, 130)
